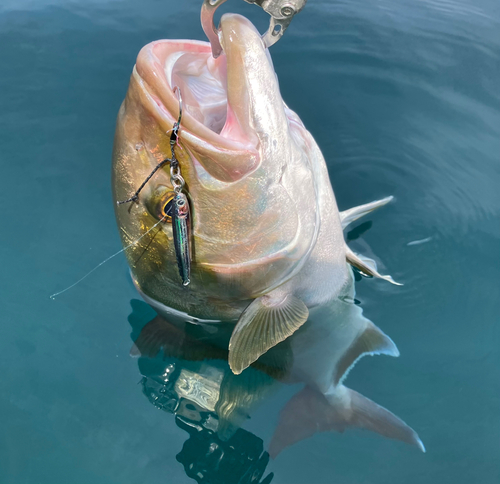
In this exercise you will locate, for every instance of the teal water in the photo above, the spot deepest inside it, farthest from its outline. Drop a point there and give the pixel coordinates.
(403, 98)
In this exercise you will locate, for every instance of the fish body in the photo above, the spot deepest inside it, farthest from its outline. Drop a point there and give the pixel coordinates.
(266, 235)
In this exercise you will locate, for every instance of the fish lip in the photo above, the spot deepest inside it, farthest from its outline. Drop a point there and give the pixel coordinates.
(164, 104)
(226, 158)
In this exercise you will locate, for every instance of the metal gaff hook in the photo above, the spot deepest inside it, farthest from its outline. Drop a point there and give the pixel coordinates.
(207, 22)
(281, 12)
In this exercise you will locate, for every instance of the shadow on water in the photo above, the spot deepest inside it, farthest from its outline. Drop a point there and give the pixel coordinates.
(185, 373)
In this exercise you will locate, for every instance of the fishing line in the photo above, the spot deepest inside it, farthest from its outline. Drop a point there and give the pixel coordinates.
(108, 259)
(181, 217)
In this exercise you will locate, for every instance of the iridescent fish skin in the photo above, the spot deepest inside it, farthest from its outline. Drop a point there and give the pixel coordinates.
(267, 237)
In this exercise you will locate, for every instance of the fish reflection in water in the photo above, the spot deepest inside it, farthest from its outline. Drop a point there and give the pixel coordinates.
(185, 372)
(193, 381)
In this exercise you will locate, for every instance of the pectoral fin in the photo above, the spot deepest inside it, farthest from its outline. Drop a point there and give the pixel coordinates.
(367, 266)
(267, 321)
(349, 216)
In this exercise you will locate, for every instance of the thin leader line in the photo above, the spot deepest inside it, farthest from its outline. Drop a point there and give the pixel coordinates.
(108, 259)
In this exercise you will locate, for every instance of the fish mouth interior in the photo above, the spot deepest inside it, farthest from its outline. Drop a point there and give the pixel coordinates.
(230, 104)
(203, 83)
(218, 102)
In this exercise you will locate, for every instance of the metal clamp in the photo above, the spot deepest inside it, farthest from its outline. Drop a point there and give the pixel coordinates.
(281, 12)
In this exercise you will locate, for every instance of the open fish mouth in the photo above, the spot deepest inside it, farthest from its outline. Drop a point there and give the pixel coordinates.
(202, 79)
(225, 113)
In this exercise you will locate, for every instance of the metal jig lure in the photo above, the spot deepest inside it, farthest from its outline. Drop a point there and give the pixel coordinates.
(181, 215)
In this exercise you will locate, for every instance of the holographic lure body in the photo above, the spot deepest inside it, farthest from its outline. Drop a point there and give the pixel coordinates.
(181, 231)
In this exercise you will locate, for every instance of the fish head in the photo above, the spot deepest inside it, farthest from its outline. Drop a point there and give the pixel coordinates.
(248, 163)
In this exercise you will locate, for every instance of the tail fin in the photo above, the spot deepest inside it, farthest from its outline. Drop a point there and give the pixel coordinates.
(310, 412)
(371, 416)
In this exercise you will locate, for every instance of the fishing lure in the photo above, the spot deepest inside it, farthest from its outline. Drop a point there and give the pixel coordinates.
(179, 211)
(182, 235)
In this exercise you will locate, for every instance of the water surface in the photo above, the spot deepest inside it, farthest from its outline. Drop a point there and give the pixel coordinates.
(403, 99)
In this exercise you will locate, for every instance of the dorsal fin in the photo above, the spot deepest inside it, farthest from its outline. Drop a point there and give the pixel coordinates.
(349, 216)
(367, 266)
(267, 321)
(371, 342)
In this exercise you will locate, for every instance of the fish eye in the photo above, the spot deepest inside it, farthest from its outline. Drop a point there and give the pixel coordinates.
(166, 210)
(180, 202)
(160, 203)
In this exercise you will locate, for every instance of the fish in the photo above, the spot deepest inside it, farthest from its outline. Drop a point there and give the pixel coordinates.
(265, 232)
(320, 356)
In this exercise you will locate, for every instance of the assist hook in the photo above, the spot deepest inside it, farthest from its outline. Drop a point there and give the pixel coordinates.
(281, 12)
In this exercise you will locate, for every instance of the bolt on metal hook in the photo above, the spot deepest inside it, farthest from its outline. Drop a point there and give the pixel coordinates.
(281, 12)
